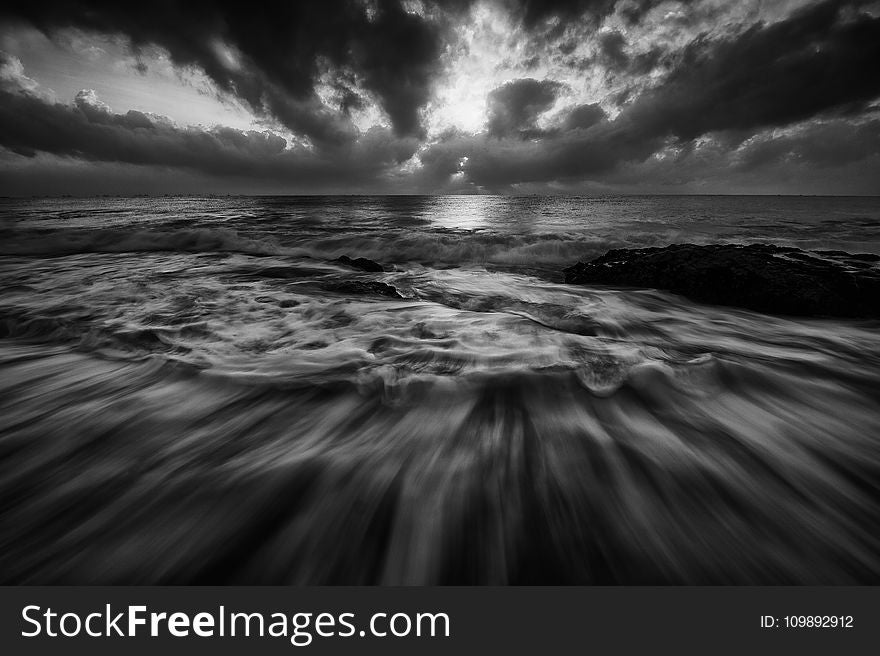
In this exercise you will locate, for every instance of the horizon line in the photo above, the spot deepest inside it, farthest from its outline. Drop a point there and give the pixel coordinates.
(422, 195)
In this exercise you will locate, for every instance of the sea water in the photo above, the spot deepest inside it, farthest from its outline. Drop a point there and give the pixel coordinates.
(192, 390)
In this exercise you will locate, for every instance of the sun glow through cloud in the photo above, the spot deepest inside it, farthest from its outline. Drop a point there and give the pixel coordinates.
(471, 65)
(492, 48)
(496, 96)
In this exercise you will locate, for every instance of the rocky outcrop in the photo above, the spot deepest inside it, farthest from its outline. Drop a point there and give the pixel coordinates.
(761, 277)
(361, 263)
(362, 288)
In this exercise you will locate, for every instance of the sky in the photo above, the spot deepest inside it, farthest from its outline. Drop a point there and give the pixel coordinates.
(460, 97)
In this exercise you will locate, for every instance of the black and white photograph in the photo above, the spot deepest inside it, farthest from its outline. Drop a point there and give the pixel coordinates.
(468, 293)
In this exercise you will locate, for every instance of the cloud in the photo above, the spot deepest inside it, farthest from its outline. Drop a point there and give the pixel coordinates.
(824, 144)
(797, 90)
(614, 57)
(535, 12)
(611, 49)
(818, 61)
(584, 116)
(551, 16)
(12, 75)
(273, 57)
(515, 106)
(89, 130)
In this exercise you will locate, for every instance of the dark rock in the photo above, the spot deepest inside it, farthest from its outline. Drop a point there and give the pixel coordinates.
(283, 272)
(361, 263)
(865, 257)
(363, 287)
(761, 277)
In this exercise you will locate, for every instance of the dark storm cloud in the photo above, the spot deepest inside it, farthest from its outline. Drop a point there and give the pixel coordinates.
(89, 130)
(602, 153)
(277, 51)
(613, 56)
(611, 50)
(794, 91)
(283, 48)
(819, 61)
(569, 23)
(515, 106)
(536, 14)
(826, 144)
(584, 116)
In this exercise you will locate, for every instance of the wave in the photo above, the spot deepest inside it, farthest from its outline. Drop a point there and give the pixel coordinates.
(428, 247)
(128, 240)
(455, 248)
(709, 472)
(544, 253)
(88, 335)
(211, 399)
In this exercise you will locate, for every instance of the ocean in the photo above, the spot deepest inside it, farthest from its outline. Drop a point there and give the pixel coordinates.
(193, 390)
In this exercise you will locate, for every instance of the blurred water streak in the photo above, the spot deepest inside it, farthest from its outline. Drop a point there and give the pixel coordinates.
(189, 395)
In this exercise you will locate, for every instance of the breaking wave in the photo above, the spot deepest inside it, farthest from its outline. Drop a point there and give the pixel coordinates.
(126, 240)
(210, 398)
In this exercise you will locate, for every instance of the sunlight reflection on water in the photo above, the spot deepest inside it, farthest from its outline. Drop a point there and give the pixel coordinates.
(192, 390)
